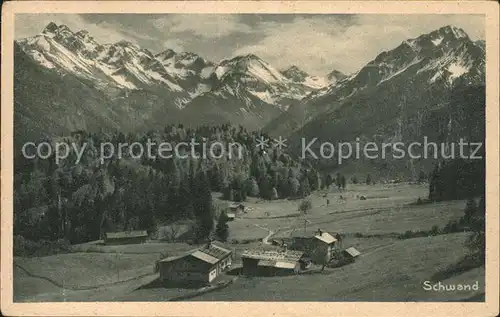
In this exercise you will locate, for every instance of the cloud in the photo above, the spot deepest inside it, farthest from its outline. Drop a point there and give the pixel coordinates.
(202, 25)
(174, 44)
(315, 43)
(322, 44)
(27, 25)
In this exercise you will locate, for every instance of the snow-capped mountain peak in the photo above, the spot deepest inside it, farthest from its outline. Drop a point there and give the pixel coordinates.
(299, 76)
(294, 73)
(126, 66)
(334, 76)
(249, 74)
(122, 65)
(442, 57)
(248, 65)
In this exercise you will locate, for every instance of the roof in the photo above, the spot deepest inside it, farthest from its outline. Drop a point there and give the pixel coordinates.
(277, 264)
(285, 265)
(216, 251)
(273, 255)
(266, 263)
(231, 215)
(126, 234)
(326, 237)
(236, 205)
(204, 257)
(172, 258)
(352, 252)
(211, 255)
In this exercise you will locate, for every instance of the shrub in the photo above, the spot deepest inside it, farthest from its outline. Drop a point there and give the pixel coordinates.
(408, 234)
(305, 205)
(434, 230)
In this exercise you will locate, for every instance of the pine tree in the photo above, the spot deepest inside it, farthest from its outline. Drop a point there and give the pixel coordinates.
(477, 240)
(305, 188)
(329, 180)
(368, 179)
(435, 184)
(222, 229)
(470, 210)
(265, 188)
(252, 187)
(354, 180)
(227, 193)
(422, 177)
(293, 187)
(203, 208)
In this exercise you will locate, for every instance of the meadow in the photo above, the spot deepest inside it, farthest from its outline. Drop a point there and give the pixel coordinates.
(389, 269)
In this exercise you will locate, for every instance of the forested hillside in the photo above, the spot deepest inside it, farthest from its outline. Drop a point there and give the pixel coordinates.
(81, 201)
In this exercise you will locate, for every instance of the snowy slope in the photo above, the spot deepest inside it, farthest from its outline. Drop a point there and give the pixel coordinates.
(438, 61)
(121, 65)
(299, 76)
(249, 76)
(443, 57)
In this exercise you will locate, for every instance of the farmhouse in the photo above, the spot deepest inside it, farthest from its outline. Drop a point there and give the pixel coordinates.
(317, 247)
(126, 237)
(198, 266)
(271, 262)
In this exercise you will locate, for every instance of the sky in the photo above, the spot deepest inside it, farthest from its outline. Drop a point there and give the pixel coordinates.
(316, 43)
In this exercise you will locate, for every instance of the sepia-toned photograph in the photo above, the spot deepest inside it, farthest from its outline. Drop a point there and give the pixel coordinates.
(181, 155)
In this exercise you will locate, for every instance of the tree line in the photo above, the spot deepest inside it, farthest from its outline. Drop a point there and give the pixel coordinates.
(80, 202)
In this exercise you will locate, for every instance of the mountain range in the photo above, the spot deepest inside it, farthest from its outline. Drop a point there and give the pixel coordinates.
(66, 80)
(152, 88)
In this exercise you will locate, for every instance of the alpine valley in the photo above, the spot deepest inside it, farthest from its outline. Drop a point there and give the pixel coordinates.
(172, 177)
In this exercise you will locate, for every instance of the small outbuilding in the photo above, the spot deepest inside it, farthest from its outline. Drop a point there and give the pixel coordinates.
(351, 253)
(200, 266)
(236, 208)
(126, 237)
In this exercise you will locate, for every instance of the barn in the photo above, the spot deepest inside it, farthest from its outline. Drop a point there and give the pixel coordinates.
(317, 247)
(200, 266)
(126, 237)
(271, 262)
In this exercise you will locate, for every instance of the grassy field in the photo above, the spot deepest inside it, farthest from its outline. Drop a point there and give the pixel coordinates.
(386, 210)
(87, 270)
(389, 268)
(395, 272)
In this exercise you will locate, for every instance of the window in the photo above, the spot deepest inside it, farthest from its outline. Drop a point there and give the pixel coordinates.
(212, 275)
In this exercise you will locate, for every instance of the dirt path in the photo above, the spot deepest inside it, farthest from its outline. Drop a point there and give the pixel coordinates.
(271, 233)
(378, 248)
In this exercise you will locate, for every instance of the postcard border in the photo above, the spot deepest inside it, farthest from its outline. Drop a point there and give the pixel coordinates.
(489, 308)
